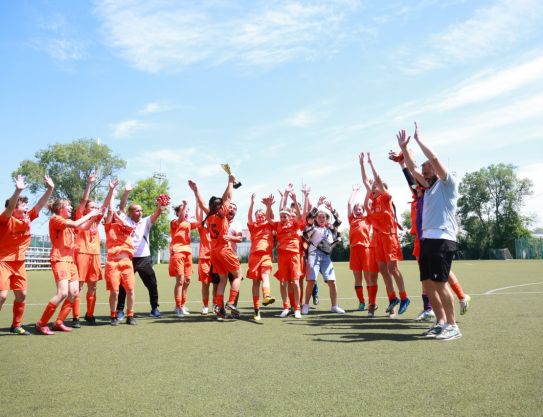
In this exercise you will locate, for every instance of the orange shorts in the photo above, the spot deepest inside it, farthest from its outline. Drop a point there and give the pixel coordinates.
(13, 276)
(120, 272)
(288, 266)
(64, 270)
(416, 249)
(387, 248)
(372, 262)
(89, 267)
(180, 265)
(360, 257)
(224, 260)
(204, 269)
(259, 263)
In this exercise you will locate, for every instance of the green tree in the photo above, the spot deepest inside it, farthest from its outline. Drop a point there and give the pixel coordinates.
(489, 209)
(69, 166)
(144, 193)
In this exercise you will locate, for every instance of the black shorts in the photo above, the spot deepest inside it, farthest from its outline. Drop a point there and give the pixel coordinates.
(435, 260)
(215, 279)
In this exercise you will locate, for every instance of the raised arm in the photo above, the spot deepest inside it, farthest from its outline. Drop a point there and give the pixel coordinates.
(352, 198)
(376, 176)
(20, 185)
(403, 141)
(46, 195)
(109, 212)
(158, 211)
(439, 168)
(124, 198)
(251, 207)
(90, 181)
(365, 180)
(198, 213)
(183, 207)
(227, 195)
(307, 202)
(112, 184)
(296, 207)
(199, 200)
(288, 190)
(268, 202)
(79, 223)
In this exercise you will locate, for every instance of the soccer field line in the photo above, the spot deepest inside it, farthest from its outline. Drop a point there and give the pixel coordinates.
(322, 299)
(512, 286)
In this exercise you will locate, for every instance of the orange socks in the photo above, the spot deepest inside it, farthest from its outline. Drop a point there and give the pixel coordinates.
(391, 295)
(64, 311)
(18, 311)
(178, 302)
(403, 295)
(220, 300)
(130, 313)
(91, 304)
(233, 296)
(256, 302)
(76, 306)
(457, 288)
(372, 293)
(47, 314)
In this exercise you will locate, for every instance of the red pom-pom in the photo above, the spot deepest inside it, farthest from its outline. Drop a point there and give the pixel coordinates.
(163, 200)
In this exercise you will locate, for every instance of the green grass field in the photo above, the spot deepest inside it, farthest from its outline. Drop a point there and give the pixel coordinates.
(321, 365)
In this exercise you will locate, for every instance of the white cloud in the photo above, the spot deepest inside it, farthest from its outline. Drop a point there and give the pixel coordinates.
(489, 30)
(302, 118)
(154, 36)
(61, 49)
(126, 128)
(156, 107)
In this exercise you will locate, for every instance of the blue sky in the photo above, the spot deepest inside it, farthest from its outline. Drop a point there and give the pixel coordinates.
(282, 90)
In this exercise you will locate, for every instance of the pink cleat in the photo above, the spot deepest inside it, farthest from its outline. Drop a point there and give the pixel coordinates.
(45, 330)
(61, 327)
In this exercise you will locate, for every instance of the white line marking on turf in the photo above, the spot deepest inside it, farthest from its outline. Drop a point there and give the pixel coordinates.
(512, 286)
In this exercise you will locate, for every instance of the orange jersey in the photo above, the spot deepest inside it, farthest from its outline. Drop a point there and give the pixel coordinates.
(15, 236)
(118, 240)
(261, 237)
(88, 241)
(180, 233)
(62, 239)
(218, 228)
(382, 214)
(205, 242)
(359, 231)
(288, 236)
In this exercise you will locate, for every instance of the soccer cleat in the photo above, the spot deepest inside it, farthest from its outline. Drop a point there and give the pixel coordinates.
(361, 306)
(76, 324)
(305, 309)
(284, 313)
(297, 314)
(426, 315)
(434, 330)
(464, 304)
(91, 320)
(61, 327)
(403, 305)
(449, 333)
(186, 311)
(44, 330)
(220, 313)
(114, 321)
(268, 300)
(154, 313)
(337, 310)
(371, 310)
(233, 310)
(257, 317)
(131, 321)
(19, 331)
(120, 315)
(392, 304)
(179, 312)
(205, 311)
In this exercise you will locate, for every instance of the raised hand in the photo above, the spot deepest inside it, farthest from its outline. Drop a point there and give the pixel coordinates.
(416, 134)
(369, 158)
(193, 186)
(328, 205)
(128, 187)
(253, 197)
(356, 187)
(403, 139)
(91, 178)
(361, 158)
(48, 181)
(113, 183)
(20, 183)
(306, 189)
(321, 201)
(396, 157)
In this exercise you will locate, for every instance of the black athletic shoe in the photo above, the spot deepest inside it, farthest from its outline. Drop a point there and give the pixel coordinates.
(131, 321)
(76, 324)
(91, 320)
(114, 321)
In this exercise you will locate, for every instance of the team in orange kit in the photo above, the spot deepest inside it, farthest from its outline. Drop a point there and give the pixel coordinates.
(62, 235)
(15, 239)
(260, 259)
(180, 266)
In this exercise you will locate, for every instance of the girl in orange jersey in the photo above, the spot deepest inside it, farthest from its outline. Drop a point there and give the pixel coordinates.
(180, 265)
(288, 230)
(204, 262)
(87, 252)
(15, 223)
(360, 260)
(223, 258)
(260, 258)
(119, 266)
(62, 234)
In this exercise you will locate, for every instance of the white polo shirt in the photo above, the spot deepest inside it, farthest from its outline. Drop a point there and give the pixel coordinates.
(140, 237)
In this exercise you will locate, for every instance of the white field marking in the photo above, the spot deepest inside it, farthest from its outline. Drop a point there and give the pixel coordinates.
(512, 286)
(199, 302)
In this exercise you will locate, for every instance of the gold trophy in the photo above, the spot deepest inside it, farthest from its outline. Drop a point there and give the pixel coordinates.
(227, 169)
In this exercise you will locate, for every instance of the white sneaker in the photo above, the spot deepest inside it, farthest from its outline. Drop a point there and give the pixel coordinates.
(449, 333)
(464, 304)
(337, 310)
(179, 312)
(186, 311)
(284, 313)
(426, 315)
(205, 311)
(305, 309)
(297, 314)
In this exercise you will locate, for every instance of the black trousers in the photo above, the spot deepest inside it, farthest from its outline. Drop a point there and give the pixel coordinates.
(144, 267)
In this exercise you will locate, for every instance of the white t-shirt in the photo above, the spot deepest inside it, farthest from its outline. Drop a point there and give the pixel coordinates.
(319, 234)
(140, 237)
(234, 229)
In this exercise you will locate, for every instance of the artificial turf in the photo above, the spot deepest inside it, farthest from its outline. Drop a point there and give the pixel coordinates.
(321, 365)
